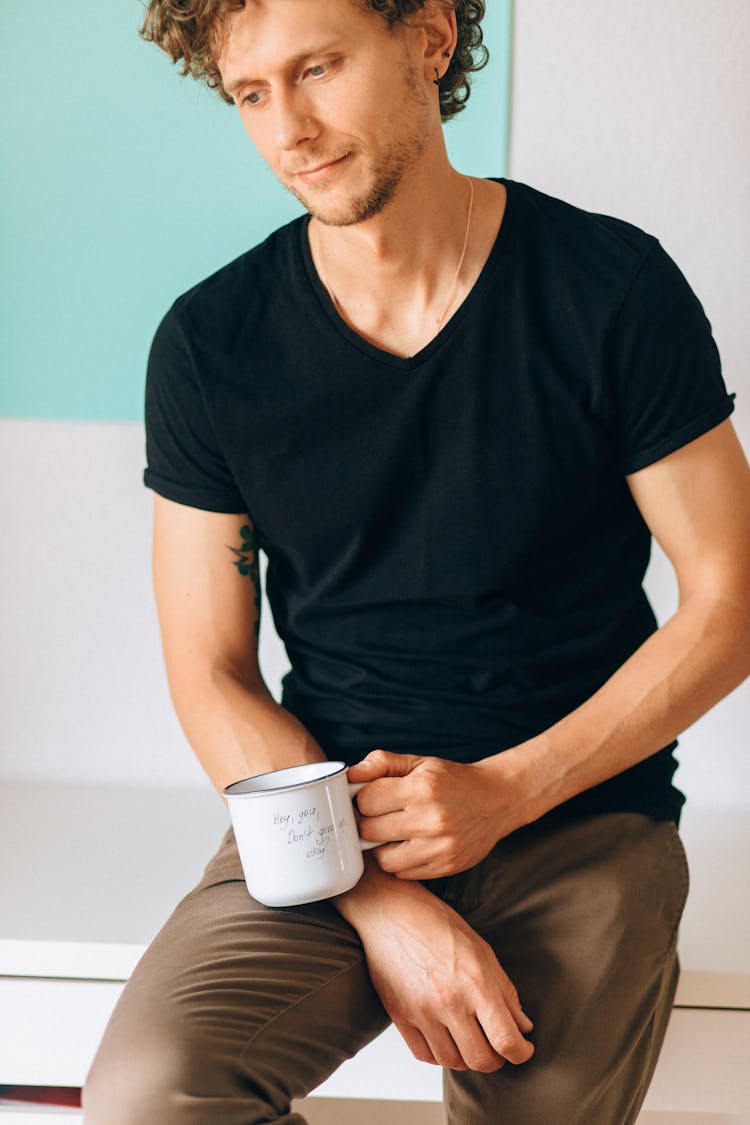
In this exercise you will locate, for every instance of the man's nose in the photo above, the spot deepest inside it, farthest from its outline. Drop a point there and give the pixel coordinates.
(294, 121)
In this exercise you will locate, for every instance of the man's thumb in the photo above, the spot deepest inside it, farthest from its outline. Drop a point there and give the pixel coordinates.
(382, 763)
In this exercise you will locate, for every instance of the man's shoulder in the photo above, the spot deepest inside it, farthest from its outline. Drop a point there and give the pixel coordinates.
(241, 287)
(593, 243)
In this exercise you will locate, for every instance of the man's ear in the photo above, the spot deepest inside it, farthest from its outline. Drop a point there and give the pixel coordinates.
(438, 21)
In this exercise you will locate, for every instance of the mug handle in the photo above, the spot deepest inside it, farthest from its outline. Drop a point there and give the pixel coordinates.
(354, 788)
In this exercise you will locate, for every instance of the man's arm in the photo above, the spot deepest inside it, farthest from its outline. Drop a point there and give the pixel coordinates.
(696, 502)
(207, 589)
(440, 982)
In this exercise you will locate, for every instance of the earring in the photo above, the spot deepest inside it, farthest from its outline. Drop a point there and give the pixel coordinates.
(436, 79)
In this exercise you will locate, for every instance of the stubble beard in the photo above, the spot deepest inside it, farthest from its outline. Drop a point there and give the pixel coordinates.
(375, 198)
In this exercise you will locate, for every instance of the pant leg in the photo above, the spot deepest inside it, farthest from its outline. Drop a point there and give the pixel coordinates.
(583, 916)
(234, 1009)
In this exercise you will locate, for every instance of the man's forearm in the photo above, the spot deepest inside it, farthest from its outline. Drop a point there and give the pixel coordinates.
(438, 817)
(237, 729)
(694, 660)
(364, 905)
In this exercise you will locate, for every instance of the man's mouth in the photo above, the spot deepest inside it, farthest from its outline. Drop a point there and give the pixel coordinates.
(320, 171)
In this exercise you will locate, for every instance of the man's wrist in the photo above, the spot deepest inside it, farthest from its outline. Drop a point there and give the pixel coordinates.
(369, 897)
(519, 779)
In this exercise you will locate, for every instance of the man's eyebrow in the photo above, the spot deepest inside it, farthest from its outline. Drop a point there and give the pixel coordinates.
(294, 60)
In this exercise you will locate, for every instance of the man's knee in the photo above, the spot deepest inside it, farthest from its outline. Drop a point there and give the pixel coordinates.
(168, 1079)
(132, 1083)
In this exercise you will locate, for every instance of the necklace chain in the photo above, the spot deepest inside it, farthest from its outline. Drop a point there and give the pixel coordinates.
(452, 293)
(454, 286)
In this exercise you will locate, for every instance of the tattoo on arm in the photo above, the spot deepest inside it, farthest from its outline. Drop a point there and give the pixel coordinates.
(246, 561)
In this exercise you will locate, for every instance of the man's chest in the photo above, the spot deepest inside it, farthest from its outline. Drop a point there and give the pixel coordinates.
(486, 461)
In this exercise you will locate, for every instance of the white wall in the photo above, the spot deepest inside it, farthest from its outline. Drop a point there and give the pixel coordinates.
(83, 692)
(641, 110)
(84, 695)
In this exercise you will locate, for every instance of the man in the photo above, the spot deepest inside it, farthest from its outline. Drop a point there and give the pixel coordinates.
(451, 411)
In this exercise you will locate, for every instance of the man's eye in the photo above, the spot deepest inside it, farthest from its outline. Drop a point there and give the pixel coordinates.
(253, 98)
(320, 70)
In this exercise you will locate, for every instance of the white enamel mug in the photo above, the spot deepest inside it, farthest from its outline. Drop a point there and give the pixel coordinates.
(296, 833)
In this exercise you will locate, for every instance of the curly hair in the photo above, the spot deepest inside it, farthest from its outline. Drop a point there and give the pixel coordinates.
(190, 30)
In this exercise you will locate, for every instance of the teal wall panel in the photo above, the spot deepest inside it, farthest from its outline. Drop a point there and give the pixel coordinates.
(123, 184)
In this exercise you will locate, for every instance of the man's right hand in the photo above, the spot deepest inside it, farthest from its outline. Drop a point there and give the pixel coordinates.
(440, 983)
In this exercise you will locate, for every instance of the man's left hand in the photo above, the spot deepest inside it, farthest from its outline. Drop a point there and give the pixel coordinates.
(434, 817)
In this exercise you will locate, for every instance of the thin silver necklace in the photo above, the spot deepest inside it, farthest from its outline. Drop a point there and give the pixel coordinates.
(452, 293)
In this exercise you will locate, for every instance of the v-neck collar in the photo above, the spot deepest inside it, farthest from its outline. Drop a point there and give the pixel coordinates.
(407, 363)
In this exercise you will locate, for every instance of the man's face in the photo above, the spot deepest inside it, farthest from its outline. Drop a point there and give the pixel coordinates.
(336, 104)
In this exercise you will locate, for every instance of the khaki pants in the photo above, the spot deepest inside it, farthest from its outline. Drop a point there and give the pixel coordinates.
(236, 1009)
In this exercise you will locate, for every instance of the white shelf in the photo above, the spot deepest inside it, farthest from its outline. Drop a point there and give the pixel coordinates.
(68, 960)
(37, 1115)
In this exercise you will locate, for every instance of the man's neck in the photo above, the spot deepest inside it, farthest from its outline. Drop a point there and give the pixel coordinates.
(411, 244)
(390, 277)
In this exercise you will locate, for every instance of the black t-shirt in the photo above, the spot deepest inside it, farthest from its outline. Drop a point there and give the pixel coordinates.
(454, 556)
